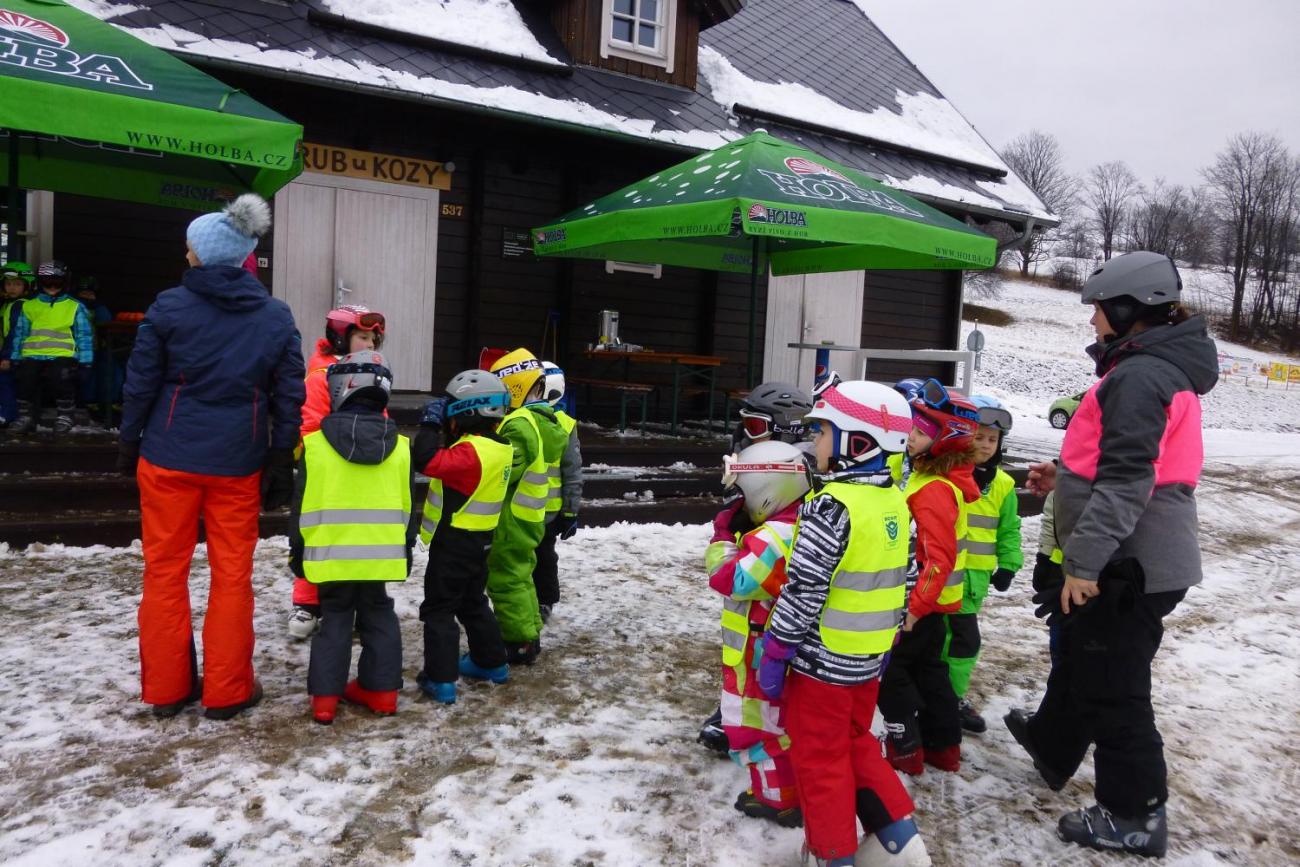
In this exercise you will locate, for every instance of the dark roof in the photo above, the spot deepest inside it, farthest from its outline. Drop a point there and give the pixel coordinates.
(826, 45)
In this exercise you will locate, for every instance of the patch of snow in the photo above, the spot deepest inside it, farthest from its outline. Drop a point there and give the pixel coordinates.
(103, 9)
(491, 25)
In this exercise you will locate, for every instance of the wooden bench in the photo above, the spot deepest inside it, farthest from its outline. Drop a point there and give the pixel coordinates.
(626, 391)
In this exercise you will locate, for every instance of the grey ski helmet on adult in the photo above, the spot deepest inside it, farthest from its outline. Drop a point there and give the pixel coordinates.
(358, 372)
(478, 393)
(1148, 278)
(785, 403)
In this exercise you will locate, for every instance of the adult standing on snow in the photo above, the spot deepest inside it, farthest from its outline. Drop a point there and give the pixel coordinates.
(211, 409)
(1125, 512)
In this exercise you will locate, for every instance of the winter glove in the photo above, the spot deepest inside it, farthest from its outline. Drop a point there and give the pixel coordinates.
(277, 479)
(1001, 580)
(435, 412)
(568, 525)
(774, 665)
(1046, 572)
(1048, 602)
(722, 531)
(128, 456)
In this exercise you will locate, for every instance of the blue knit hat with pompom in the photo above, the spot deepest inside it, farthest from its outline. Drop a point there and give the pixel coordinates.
(228, 236)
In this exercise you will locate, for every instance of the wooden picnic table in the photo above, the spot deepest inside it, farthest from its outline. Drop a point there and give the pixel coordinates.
(686, 366)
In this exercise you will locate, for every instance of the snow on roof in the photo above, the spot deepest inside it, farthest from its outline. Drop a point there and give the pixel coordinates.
(511, 99)
(923, 122)
(492, 25)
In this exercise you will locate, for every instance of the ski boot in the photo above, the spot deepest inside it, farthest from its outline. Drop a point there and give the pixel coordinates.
(713, 736)
(904, 752)
(808, 859)
(303, 623)
(167, 711)
(1018, 724)
(231, 710)
(443, 693)
(63, 411)
(469, 668)
(896, 845)
(27, 418)
(971, 720)
(323, 708)
(750, 805)
(945, 758)
(379, 701)
(1097, 828)
(523, 652)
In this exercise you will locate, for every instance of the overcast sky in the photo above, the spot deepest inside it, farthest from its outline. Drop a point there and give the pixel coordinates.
(1160, 84)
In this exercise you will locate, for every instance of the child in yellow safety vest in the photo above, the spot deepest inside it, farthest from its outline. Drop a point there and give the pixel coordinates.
(564, 499)
(916, 695)
(18, 279)
(350, 521)
(749, 570)
(51, 341)
(993, 553)
(833, 626)
(467, 490)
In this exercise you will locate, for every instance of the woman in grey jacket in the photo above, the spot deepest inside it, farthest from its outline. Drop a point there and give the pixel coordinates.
(1125, 518)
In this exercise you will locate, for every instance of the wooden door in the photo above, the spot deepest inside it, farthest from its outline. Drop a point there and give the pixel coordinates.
(303, 267)
(811, 308)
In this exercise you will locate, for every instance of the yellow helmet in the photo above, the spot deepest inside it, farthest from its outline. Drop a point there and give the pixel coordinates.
(519, 370)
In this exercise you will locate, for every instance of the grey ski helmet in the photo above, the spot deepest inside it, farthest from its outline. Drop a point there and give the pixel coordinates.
(477, 393)
(1147, 278)
(771, 475)
(785, 403)
(358, 372)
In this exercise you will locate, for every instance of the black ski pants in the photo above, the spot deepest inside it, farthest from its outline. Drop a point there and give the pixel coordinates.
(1099, 692)
(546, 574)
(455, 585)
(53, 381)
(366, 605)
(916, 692)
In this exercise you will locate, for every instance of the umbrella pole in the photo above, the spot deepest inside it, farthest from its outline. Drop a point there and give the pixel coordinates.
(14, 250)
(753, 303)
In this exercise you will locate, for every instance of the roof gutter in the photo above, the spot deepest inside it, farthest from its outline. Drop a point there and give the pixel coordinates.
(1007, 215)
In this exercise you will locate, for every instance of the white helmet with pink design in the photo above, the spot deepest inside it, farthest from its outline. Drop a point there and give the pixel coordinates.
(857, 408)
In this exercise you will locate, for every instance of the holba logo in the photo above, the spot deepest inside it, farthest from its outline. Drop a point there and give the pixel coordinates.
(809, 179)
(40, 46)
(760, 213)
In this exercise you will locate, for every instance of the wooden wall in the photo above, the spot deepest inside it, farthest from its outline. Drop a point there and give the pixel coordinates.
(911, 310)
(579, 24)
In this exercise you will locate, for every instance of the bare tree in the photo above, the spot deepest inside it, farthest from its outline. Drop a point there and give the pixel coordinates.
(1237, 179)
(1108, 190)
(1036, 157)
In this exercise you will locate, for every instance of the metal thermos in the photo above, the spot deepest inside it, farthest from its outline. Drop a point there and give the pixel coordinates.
(609, 328)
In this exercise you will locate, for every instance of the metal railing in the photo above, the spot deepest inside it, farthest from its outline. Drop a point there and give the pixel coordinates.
(964, 357)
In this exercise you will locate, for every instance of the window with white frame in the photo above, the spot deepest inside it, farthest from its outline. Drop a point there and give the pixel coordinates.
(640, 30)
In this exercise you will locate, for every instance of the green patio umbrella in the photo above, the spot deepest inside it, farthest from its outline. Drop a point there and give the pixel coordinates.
(763, 199)
(96, 111)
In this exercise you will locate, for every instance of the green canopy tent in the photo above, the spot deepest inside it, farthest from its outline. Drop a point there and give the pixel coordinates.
(763, 200)
(92, 110)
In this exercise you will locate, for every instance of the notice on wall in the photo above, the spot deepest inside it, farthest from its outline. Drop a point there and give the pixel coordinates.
(389, 169)
(516, 243)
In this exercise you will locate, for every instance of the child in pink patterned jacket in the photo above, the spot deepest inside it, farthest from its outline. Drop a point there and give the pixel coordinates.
(749, 571)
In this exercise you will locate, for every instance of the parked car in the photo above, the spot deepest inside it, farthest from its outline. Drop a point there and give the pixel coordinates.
(1063, 409)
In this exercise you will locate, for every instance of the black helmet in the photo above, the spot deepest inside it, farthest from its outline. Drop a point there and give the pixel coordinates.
(787, 404)
(1133, 287)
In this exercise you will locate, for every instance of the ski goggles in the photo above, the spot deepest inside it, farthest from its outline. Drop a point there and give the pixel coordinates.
(371, 322)
(936, 397)
(995, 417)
(758, 425)
(481, 401)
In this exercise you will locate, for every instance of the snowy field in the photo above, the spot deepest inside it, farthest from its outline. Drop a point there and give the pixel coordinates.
(589, 758)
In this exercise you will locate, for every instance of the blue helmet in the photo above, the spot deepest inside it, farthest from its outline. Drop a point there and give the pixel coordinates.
(992, 413)
(909, 387)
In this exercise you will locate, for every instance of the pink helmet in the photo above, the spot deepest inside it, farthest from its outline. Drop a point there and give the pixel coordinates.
(340, 321)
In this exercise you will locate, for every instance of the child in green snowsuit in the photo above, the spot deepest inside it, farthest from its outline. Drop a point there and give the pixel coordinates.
(538, 441)
(993, 554)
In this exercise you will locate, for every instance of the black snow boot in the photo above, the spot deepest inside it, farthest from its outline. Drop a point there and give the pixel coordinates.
(747, 803)
(64, 410)
(167, 711)
(231, 710)
(1018, 723)
(713, 736)
(1097, 828)
(971, 720)
(27, 417)
(523, 652)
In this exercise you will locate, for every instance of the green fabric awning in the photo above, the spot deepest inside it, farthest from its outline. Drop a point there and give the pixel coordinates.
(101, 113)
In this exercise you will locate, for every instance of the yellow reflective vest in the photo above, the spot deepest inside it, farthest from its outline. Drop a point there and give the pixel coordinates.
(868, 592)
(482, 511)
(952, 586)
(529, 501)
(354, 516)
(555, 500)
(981, 542)
(778, 536)
(51, 328)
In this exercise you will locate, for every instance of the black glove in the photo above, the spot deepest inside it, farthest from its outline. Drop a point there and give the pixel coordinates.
(1001, 580)
(128, 456)
(1048, 602)
(567, 525)
(277, 479)
(1046, 571)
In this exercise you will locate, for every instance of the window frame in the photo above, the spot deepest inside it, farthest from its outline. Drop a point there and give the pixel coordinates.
(631, 51)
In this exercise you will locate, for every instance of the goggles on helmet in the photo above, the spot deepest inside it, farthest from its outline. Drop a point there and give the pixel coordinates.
(936, 397)
(759, 424)
(832, 379)
(480, 401)
(995, 417)
(371, 322)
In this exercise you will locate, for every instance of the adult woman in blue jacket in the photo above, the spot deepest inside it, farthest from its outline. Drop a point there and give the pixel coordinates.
(211, 409)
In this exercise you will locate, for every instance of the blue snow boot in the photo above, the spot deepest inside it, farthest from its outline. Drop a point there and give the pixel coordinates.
(439, 692)
(1097, 828)
(471, 669)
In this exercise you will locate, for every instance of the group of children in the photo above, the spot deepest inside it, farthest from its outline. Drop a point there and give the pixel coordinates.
(48, 347)
(504, 470)
(828, 610)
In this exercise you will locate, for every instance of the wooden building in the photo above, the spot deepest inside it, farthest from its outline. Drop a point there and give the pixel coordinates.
(431, 149)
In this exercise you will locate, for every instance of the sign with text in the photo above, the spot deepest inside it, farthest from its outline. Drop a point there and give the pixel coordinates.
(370, 166)
(516, 243)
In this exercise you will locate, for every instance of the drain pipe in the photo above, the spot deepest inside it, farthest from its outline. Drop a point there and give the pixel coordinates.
(1019, 240)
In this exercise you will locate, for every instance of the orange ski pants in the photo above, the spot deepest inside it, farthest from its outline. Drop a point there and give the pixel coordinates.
(171, 502)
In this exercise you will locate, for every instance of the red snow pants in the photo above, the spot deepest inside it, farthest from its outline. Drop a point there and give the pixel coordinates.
(170, 505)
(838, 767)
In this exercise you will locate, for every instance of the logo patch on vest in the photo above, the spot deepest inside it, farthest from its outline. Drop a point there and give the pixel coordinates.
(891, 529)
